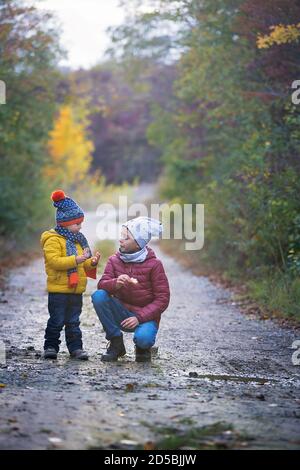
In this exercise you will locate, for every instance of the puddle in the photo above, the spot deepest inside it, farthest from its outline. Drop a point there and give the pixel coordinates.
(230, 378)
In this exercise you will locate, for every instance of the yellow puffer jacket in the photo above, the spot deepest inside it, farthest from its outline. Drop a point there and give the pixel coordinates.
(57, 264)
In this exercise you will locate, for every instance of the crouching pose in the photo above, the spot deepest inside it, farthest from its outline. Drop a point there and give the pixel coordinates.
(133, 291)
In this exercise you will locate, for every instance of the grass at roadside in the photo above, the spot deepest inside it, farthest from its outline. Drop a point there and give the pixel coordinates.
(271, 295)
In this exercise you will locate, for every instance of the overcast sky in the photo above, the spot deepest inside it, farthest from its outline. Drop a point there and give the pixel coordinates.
(84, 23)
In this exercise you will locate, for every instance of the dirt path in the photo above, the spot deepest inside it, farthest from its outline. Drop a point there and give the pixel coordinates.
(224, 376)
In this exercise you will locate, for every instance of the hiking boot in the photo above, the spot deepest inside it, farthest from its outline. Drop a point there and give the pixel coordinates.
(142, 355)
(79, 354)
(50, 353)
(115, 350)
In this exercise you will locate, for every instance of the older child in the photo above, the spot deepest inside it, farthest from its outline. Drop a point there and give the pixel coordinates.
(133, 291)
(68, 262)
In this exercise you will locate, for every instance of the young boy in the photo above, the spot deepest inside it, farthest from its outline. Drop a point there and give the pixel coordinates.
(68, 262)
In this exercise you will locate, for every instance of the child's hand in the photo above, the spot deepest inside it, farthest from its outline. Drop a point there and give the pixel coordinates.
(95, 259)
(121, 281)
(130, 323)
(86, 253)
(82, 258)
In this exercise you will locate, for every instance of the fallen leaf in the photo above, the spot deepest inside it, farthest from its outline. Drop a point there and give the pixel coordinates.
(129, 387)
(149, 445)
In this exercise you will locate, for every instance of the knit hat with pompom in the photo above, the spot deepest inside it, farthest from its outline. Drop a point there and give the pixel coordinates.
(68, 212)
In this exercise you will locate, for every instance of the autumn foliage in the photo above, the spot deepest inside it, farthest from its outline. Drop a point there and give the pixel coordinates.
(70, 150)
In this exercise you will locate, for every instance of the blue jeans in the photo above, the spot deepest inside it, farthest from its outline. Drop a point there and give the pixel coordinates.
(111, 313)
(64, 310)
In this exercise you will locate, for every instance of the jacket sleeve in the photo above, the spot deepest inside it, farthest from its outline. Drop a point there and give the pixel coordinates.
(108, 280)
(161, 293)
(52, 251)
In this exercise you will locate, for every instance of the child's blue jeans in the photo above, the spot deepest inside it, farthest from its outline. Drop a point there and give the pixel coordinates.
(64, 310)
(111, 313)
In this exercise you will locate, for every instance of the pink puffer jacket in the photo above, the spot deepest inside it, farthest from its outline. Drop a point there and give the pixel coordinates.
(150, 297)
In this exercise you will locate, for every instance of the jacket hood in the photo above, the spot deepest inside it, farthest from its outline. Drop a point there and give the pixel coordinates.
(48, 234)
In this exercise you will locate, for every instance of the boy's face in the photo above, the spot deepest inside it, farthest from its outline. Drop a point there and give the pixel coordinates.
(75, 228)
(127, 242)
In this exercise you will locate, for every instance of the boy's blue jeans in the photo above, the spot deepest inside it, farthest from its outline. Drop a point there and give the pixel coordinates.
(111, 313)
(64, 310)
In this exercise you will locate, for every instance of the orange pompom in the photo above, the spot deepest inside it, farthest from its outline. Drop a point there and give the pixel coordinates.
(58, 195)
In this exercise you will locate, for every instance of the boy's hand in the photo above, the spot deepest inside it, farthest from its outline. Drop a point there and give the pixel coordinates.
(122, 279)
(85, 255)
(95, 259)
(130, 323)
(80, 259)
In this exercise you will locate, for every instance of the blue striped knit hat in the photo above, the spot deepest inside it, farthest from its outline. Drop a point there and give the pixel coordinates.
(68, 212)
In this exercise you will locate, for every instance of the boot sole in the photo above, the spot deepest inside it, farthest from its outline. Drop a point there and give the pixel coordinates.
(79, 358)
(143, 359)
(109, 360)
(105, 359)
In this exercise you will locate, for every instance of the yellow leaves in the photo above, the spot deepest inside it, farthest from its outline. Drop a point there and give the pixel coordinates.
(69, 148)
(280, 34)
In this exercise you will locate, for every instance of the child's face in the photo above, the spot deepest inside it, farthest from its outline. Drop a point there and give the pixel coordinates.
(127, 242)
(75, 228)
